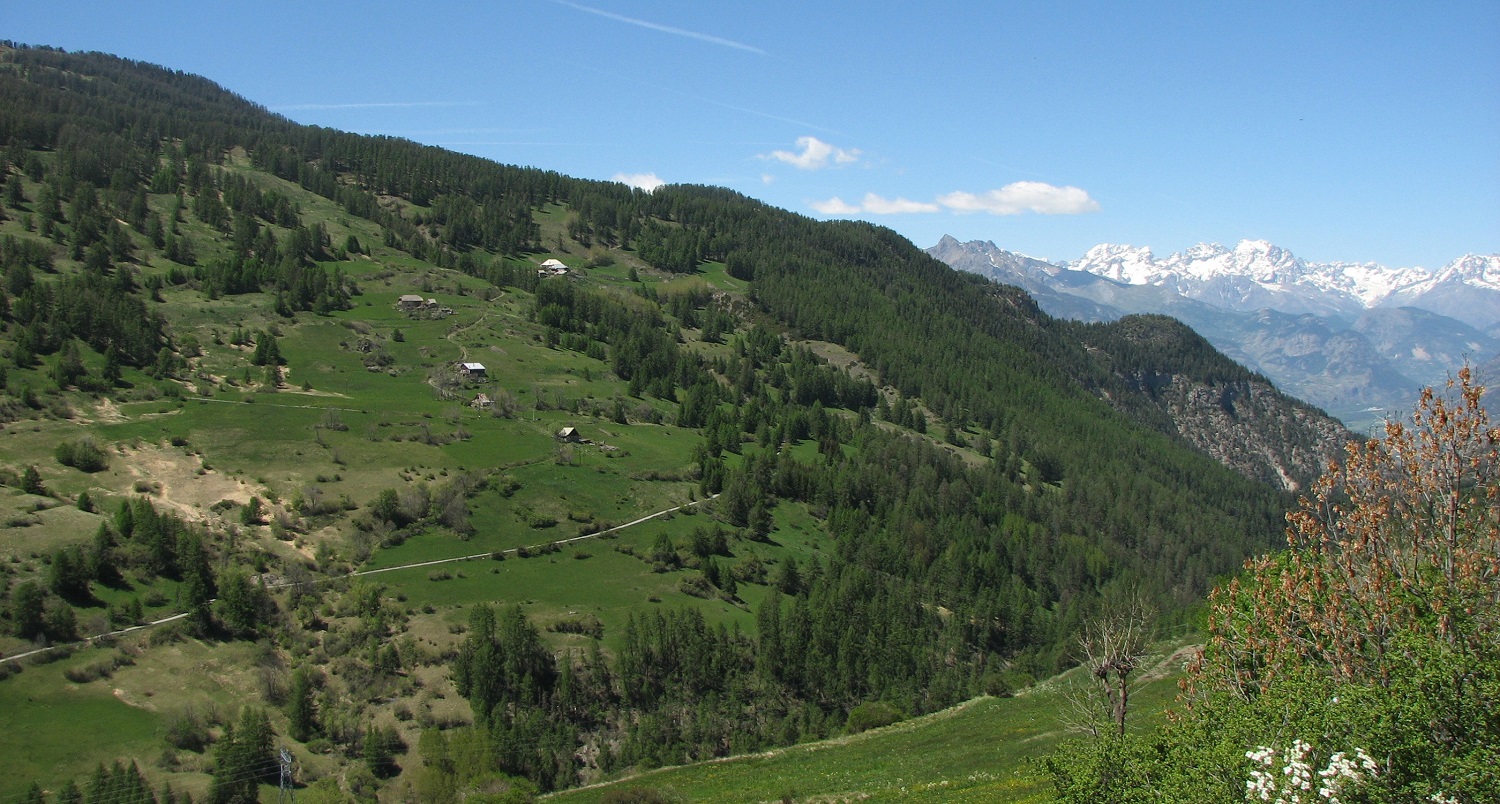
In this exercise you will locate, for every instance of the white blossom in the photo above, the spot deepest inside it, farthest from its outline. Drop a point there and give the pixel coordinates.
(1342, 773)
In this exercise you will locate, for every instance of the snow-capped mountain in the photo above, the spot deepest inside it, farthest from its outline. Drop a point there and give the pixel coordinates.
(1345, 336)
(1467, 289)
(1256, 274)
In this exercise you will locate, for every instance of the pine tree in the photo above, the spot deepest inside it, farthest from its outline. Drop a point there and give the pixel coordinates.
(267, 352)
(197, 583)
(242, 603)
(15, 196)
(377, 752)
(112, 370)
(61, 623)
(243, 759)
(31, 482)
(27, 602)
(301, 712)
(70, 794)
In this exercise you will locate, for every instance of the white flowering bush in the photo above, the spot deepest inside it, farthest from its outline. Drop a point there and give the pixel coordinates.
(1287, 777)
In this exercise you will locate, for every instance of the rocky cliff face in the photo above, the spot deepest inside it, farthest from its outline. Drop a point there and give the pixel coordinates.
(1164, 374)
(1254, 430)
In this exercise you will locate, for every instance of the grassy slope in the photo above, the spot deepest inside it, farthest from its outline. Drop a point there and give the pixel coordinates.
(983, 750)
(227, 439)
(57, 729)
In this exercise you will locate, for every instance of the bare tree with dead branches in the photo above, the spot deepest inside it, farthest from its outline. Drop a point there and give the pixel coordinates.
(1111, 648)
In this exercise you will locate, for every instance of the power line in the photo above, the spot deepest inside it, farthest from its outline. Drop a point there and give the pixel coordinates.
(286, 793)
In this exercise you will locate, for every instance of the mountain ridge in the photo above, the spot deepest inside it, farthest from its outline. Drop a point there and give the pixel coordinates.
(1304, 325)
(1264, 274)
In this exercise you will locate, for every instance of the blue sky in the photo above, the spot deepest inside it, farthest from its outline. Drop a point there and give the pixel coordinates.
(1341, 131)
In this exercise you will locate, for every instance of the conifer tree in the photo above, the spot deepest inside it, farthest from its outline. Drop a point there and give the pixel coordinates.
(31, 482)
(27, 607)
(301, 711)
(243, 759)
(70, 794)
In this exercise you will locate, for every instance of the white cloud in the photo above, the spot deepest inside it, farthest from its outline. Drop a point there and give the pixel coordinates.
(815, 154)
(1023, 196)
(835, 206)
(1012, 199)
(640, 181)
(875, 205)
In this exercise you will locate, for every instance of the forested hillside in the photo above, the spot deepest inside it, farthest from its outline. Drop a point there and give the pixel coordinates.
(906, 484)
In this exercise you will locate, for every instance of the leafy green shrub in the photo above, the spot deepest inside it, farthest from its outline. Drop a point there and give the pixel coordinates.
(167, 634)
(587, 626)
(187, 730)
(696, 586)
(871, 715)
(84, 456)
(93, 671)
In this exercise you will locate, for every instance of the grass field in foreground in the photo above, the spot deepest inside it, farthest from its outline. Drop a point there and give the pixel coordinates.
(983, 750)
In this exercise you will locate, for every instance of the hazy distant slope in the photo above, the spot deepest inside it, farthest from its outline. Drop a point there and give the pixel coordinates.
(1303, 325)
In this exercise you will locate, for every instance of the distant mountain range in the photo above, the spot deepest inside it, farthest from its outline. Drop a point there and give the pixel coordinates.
(1357, 339)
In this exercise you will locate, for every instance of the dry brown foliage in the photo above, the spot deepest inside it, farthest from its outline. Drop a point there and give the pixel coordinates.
(1401, 539)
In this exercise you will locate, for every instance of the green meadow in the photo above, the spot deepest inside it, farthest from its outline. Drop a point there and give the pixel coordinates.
(368, 400)
(984, 750)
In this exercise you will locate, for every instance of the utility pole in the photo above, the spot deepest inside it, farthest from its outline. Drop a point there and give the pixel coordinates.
(286, 794)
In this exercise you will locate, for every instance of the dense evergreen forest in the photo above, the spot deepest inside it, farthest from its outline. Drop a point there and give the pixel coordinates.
(987, 477)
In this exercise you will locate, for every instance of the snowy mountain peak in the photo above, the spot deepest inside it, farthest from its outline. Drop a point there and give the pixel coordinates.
(1206, 251)
(1122, 263)
(1266, 261)
(1260, 273)
(1347, 336)
(1472, 269)
(1257, 274)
